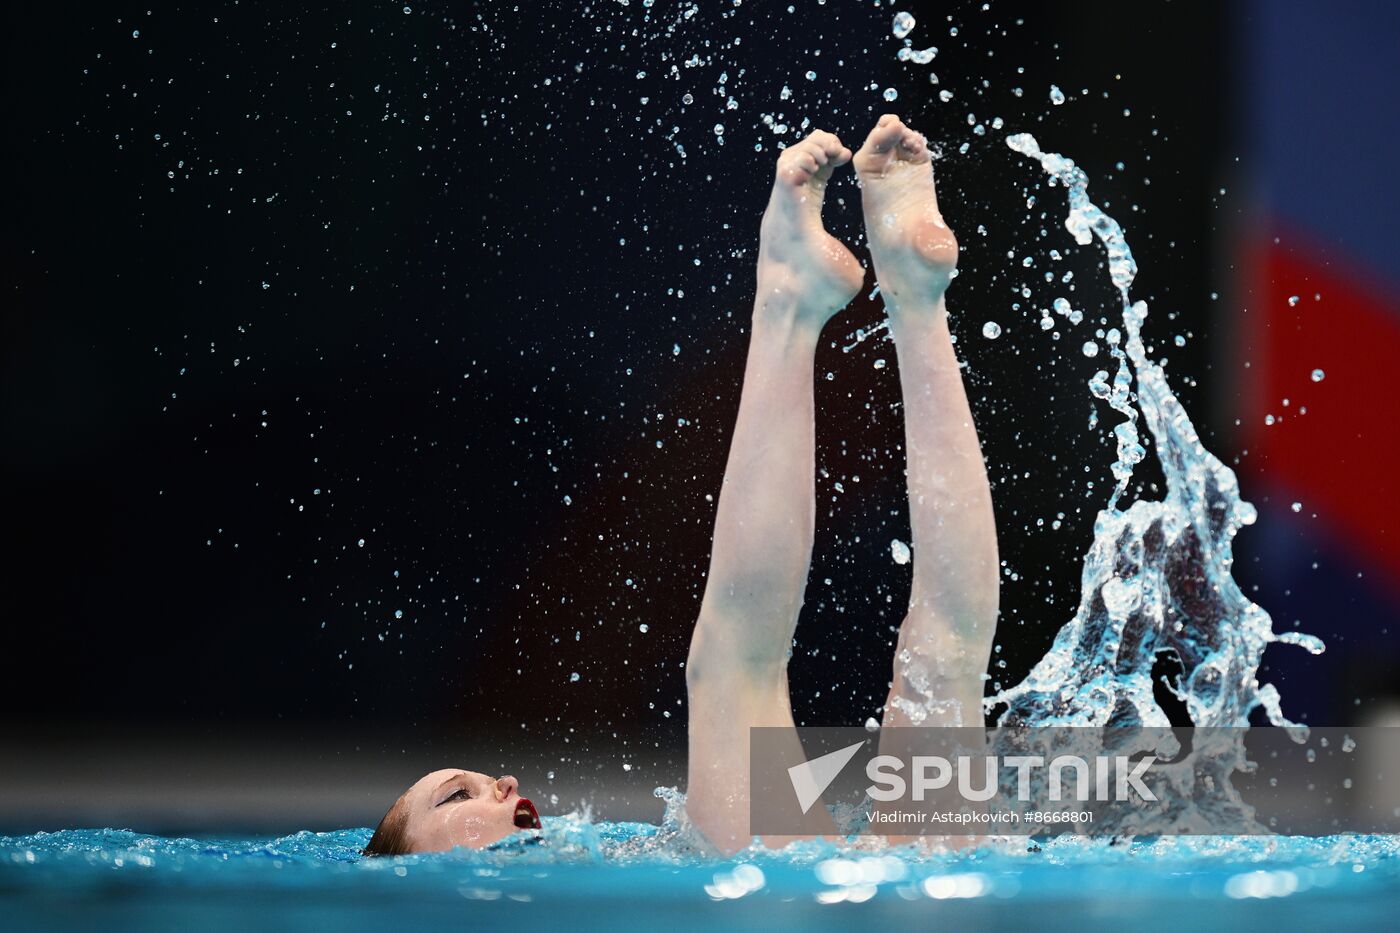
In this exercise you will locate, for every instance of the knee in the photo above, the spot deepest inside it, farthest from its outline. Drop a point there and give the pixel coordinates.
(721, 654)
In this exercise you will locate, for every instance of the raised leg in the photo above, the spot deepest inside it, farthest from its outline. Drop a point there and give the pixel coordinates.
(736, 673)
(945, 640)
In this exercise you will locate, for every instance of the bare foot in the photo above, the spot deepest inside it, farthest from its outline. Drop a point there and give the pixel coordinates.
(914, 251)
(802, 269)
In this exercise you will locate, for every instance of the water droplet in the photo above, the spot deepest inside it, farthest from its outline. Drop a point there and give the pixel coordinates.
(991, 330)
(890, 93)
(1297, 506)
(1090, 349)
(899, 551)
(719, 129)
(573, 678)
(1318, 375)
(903, 25)
(398, 613)
(1057, 96)
(361, 542)
(1293, 300)
(811, 76)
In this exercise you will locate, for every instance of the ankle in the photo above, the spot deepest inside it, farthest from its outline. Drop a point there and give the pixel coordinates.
(917, 315)
(780, 308)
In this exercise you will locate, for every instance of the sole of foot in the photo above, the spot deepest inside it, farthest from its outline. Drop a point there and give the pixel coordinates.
(914, 250)
(803, 270)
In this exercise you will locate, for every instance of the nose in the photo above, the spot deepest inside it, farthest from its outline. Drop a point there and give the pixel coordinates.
(505, 786)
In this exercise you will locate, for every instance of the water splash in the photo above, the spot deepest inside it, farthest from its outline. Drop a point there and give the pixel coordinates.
(1158, 574)
(582, 867)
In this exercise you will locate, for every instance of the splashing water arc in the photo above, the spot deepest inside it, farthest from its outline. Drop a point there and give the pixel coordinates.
(1158, 574)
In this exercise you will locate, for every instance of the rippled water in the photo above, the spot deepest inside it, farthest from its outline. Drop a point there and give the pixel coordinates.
(578, 873)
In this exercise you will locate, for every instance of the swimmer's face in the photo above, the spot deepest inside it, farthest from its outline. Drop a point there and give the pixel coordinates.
(451, 808)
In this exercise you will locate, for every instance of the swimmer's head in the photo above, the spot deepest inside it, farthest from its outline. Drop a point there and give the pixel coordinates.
(451, 808)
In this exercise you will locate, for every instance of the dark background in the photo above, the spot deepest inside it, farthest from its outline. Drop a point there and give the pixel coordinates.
(368, 374)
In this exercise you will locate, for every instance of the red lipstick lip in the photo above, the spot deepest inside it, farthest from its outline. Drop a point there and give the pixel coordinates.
(526, 816)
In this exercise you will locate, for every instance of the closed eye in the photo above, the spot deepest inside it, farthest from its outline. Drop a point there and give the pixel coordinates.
(458, 795)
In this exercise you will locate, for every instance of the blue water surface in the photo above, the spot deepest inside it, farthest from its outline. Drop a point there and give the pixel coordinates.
(582, 874)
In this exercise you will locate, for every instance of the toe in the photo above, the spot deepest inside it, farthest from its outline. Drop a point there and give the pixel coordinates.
(888, 130)
(912, 147)
(827, 152)
(830, 146)
(798, 164)
(880, 145)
